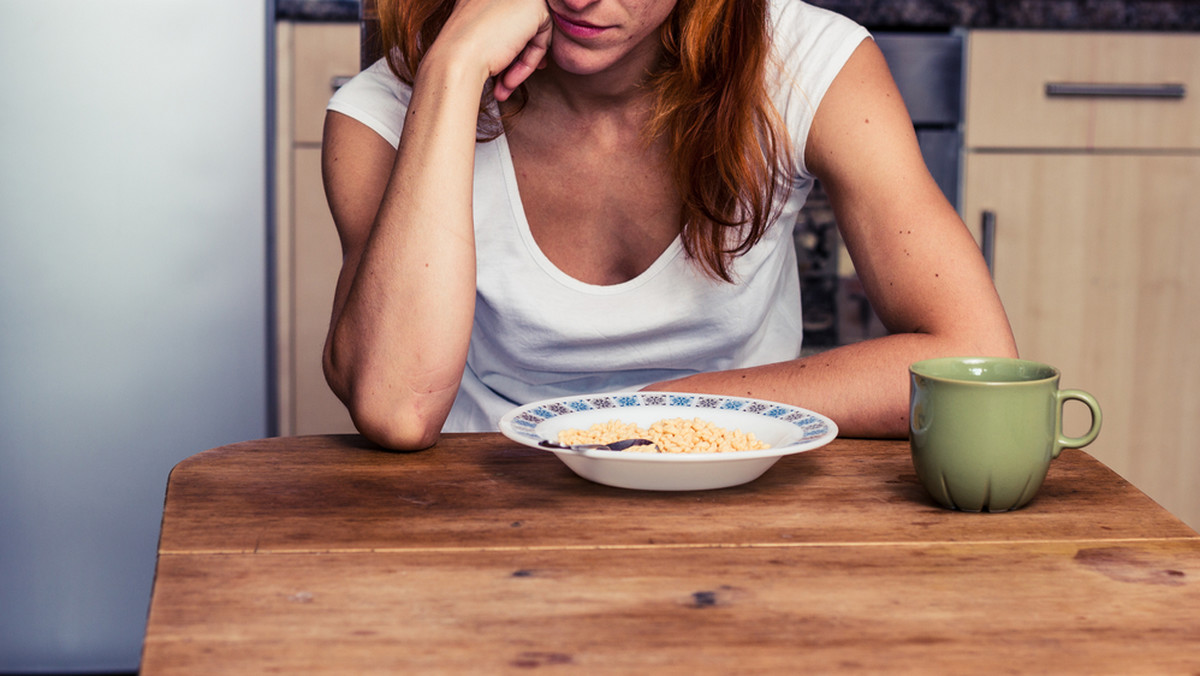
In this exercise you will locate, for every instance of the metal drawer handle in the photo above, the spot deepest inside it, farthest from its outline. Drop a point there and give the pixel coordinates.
(988, 237)
(1170, 90)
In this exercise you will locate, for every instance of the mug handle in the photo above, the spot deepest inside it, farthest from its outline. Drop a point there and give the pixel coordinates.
(1077, 442)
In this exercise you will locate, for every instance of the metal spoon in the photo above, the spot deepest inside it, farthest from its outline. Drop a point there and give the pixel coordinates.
(614, 446)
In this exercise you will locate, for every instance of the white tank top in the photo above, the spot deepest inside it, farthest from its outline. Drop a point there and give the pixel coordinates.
(541, 333)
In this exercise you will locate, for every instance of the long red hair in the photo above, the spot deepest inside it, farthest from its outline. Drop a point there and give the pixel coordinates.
(726, 144)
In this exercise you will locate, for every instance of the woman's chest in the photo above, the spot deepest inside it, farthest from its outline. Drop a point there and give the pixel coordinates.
(600, 213)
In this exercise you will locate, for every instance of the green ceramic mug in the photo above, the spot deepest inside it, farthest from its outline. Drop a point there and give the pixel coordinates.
(984, 430)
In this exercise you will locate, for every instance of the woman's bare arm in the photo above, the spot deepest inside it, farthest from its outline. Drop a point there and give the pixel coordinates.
(922, 270)
(404, 303)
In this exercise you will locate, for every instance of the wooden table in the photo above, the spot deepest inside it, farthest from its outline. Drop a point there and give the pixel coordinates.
(324, 554)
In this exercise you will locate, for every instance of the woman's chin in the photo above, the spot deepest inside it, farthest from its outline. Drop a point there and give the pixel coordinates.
(618, 60)
(579, 61)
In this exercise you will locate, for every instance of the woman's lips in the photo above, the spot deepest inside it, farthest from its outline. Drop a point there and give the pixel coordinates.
(577, 29)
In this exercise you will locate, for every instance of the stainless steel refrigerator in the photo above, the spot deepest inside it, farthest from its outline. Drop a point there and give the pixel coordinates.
(133, 298)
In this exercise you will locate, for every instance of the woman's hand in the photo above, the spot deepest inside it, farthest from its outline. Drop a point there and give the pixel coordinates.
(511, 37)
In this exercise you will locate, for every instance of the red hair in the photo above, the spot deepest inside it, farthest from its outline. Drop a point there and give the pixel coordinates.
(727, 147)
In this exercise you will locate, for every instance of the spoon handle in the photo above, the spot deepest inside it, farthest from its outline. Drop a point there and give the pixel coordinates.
(614, 446)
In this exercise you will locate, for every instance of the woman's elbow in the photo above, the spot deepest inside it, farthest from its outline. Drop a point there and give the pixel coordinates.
(990, 339)
(971, 337)
(404, 424)
(400, 426)
(1008, 349)
(396, 432)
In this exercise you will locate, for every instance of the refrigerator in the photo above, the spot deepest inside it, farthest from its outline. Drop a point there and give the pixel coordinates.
(134, 298)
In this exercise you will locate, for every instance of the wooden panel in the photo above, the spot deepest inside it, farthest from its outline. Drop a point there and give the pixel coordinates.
(1061, 608)
(324, 52)
(282, 249)
(1096, 264)
(1007, 105)
(311, 56)
(317, 261)
(322, 494)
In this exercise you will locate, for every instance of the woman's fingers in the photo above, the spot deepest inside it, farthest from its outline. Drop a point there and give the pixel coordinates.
(509, 39)
(532, 57)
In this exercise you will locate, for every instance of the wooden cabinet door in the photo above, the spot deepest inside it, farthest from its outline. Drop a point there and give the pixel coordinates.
(324, 54)
(317, 259)
(1097, 260)
(312, 59)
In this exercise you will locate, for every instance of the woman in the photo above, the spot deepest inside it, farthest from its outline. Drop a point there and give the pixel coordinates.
(619, 214)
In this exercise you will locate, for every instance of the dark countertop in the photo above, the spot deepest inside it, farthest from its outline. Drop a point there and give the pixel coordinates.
(316, 10)
(1157, 15)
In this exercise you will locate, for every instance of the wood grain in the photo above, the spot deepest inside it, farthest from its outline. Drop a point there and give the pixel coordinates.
(1007, 105)
(970, 608)
(335, 493)
(1095, 264)
(1095, 208)
(328, 555)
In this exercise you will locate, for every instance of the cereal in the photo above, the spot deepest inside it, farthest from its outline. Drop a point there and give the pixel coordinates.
(672, 435)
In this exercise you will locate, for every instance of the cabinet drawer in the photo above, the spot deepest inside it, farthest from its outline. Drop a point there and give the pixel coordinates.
(1123, 90)
(324, 53)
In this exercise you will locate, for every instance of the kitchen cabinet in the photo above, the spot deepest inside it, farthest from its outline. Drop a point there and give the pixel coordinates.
(311, 59)
(1093, 196)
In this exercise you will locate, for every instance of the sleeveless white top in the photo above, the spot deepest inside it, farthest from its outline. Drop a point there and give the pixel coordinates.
(540, 333)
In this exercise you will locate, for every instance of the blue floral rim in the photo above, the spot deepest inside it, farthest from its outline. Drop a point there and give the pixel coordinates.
(525, 420)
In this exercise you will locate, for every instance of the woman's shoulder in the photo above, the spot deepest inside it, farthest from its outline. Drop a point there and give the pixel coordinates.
(800, 29)
(811, 45)
(376, 98)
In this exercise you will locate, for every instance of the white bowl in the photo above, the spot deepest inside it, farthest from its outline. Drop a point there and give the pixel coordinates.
(788, 429)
